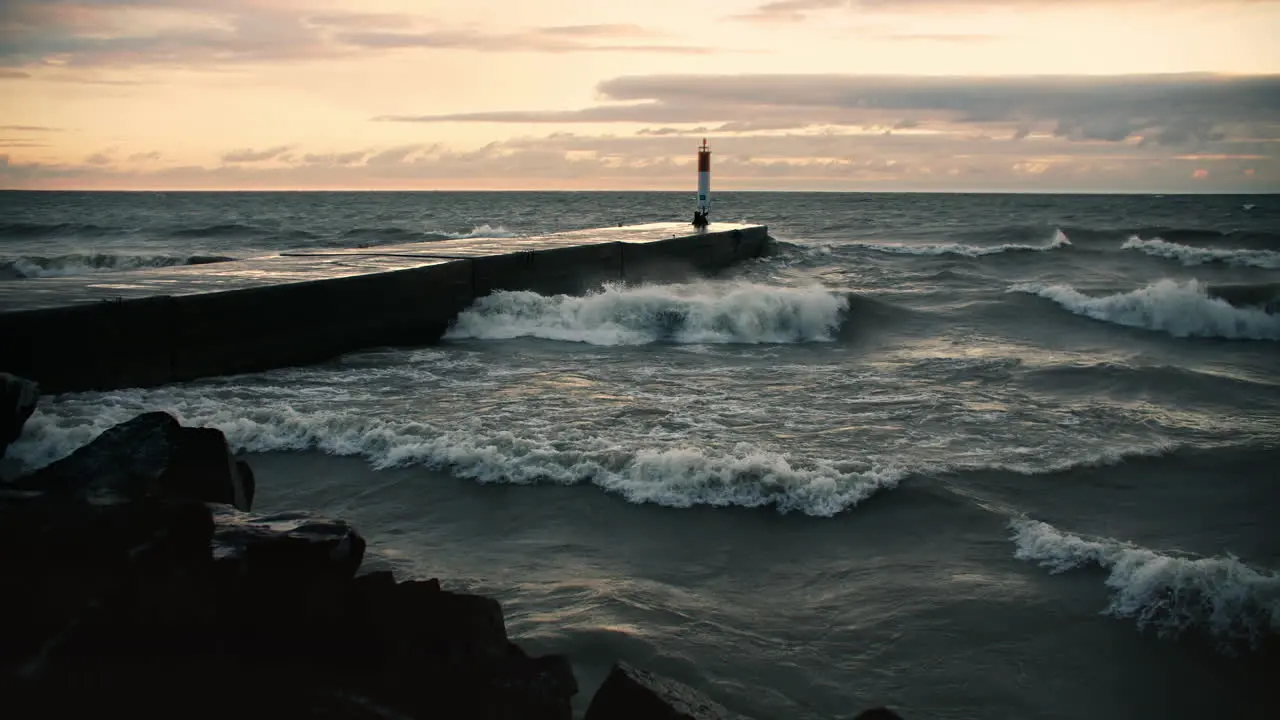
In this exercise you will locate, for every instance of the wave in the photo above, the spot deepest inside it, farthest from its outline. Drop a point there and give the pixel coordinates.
(399, 235)
(479, 231)
(1250, 238)
(1059, 240)
(739, 312)
(1222, 596)
(671, 475)
(1181, 309)
(34, 266)
(35, 230)
(1191, 255)
(221, 230)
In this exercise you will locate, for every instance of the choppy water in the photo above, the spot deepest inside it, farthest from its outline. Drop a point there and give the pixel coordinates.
(968, 455)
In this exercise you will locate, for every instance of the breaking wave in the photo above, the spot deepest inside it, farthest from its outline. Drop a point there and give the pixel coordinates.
(479, 231)
(670, 475)
(34, 266)
(1191, 255)
(1059, 241)
(1222, 596)
(1181, 309)
(739, 312)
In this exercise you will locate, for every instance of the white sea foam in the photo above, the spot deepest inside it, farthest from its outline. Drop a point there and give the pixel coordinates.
(31, 266)
(669, 473)
(1170, 593)
(698, 313)
(479, 231)
(1059, 240)
(1182, 309)
(1191, 255)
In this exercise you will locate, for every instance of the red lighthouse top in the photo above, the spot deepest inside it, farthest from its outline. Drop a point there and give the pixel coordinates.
(703, 147)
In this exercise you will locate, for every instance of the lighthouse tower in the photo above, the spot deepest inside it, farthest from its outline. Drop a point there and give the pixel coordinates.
(704, 186)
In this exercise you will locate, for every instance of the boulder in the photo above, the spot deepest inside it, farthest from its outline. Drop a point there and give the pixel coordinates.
(201, 466)
(282, 577)
(878, 713)
(92, 567)
(418, 619)
(151, 455)
(431, 649)
(630, 693)
(18, 398)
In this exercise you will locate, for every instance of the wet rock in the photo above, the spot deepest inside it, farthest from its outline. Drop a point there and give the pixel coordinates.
(124, 462)
(418, 619)
(92, 568)
(630, 693)
(879, 713)
(151, 455)
(201, 466)
(137, 579)
(281, 578)
(18, 397)
(430, 648)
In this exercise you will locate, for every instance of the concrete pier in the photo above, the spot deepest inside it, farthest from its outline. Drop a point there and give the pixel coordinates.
(143, 328)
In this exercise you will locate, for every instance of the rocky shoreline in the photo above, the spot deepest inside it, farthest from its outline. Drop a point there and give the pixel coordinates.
(141, 582)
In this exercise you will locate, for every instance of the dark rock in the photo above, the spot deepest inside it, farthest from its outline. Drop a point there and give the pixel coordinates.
(94, 568)
(151, 455)
(18, 397)
(879, 713)
(630, 693)
(416, 619)
(201, 467)
(138, 584)
(247, 483)
(290, 543)
(283, 577)
(123, 462)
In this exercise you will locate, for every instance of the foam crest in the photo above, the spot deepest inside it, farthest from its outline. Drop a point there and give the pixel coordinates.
(1181, 309)
(1222, 596)
(1059, 240)
(695, 313)
(1191, 255)
(668, 475)
(479, 231)
(86, 263)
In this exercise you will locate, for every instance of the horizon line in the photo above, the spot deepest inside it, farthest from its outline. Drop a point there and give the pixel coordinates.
(635, 191)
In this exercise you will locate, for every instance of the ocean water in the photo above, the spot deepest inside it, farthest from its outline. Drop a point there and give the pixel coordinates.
(969, 456)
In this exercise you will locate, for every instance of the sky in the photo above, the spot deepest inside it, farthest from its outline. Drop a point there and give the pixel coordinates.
(842, 95)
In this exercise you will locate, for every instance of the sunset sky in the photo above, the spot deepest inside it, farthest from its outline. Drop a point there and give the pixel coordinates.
(1040, 95)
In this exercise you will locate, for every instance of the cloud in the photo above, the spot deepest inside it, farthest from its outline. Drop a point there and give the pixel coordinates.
(7, 74)
(205, 33)
(29, 128)
(898, 161)
(801, 10)
(346, 158)
(251, 156)
(599, 30)
(1169, 109)
(145, 156)
(100, 158)
(659, 132)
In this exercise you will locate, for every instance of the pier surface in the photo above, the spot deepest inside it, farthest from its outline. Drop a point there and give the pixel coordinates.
(141, 328)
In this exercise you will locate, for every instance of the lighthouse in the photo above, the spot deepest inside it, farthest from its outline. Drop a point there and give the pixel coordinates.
(704, 186)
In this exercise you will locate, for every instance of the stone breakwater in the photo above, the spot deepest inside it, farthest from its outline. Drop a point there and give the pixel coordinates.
(141, 584)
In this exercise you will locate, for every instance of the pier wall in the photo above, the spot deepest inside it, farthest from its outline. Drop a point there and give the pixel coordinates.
(150, 327)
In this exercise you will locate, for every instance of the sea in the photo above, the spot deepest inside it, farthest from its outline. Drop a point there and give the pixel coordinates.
(963, 455)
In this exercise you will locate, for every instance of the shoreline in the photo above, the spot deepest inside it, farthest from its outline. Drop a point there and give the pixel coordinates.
(143, 547)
